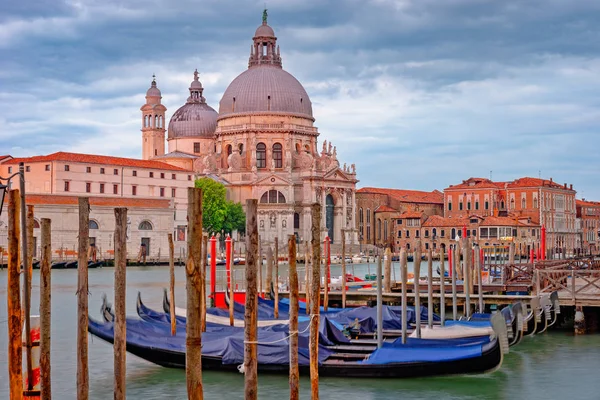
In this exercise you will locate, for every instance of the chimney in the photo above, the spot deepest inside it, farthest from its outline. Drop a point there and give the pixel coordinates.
(550, 179)
(571, 186)
(565, 185)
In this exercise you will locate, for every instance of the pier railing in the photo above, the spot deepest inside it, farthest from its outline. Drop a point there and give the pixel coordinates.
(576, 285)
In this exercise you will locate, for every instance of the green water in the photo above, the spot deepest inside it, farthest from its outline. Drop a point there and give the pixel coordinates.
(555, 365)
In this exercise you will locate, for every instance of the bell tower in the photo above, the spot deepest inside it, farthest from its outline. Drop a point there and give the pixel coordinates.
(153, 123)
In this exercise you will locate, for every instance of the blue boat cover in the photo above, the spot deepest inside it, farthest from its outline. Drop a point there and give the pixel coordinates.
(225, 342)
(415, 353)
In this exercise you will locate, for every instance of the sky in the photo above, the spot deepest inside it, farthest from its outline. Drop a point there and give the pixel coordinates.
(419, 94)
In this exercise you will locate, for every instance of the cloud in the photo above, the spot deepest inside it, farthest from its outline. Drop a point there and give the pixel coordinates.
(419, 94)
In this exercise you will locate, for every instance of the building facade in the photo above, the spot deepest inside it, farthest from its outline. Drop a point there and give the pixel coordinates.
(588, 213)
(379, 208)
(534, 201)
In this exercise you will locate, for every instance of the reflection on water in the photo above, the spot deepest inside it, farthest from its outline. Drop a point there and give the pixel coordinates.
(549, 366)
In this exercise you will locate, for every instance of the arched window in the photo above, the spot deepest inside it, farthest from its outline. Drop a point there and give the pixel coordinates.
(502, 205)
(512, 204)
(93, 224)
(296, 220)
(297, 148)
(272, 196)
(229, 150)
(535, 202)
(156, 121)
(523, 203)
(277, 156)
(453, 233)
(385, 229)
(36, 224)
(241, 148)
(434, 232)
(487, 205)
(145, 121)
(261, 155)
(378, 228)
(145, 226)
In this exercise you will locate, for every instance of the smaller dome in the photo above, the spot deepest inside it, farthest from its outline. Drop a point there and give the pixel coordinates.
(153, 91)
(264, 31)
(193, 120)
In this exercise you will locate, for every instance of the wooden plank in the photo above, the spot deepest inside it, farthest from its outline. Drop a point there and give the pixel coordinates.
(120, 328)
(45, 309)
(315, 300)
(294, 377)
(83, 385)
(193, 354)
(250, 315)
(15, 349)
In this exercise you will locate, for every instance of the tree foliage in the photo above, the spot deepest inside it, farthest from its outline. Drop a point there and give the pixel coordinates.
(218, 213)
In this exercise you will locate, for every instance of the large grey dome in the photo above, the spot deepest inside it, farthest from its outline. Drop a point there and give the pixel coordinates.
(195, 118)
(265, 88)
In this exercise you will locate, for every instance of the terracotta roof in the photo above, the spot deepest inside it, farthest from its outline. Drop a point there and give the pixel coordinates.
(384, 208)
(535, 182)
(587, 203)
(411, 214)
(499, 221)
(484, 183)
(439, 221)
(477, 183)
(407, 196)
(98, 159)
(4, 157)
(48, 199)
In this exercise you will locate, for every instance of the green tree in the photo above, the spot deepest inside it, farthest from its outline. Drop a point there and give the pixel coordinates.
(218, 213)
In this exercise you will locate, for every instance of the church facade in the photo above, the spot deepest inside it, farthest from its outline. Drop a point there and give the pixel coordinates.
(262, 143)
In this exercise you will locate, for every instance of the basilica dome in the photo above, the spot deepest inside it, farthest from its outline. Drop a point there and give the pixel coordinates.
(265, 87)
(195, 118)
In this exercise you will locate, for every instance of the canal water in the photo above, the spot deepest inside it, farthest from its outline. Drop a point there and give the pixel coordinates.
(554, 365)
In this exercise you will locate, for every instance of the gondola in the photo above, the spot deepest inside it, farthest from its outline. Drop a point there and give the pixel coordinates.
(513, 316)
(533, 316)
(58, 265)
(223, 350)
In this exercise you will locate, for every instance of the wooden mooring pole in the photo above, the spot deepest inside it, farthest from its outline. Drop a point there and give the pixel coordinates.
(442, 288)
(379, 304)
(454, 261)
(269, 273)
(293, 330)
(83, 385)
(229, 259)
(430, 289)
(387, 275)
(343, 268)
(403, 275)
(193, 354)
(250, 315)
(327, 252)
(467, 276)
(276, 278)
(479, 283)
(45, 309)
(203, 295)
(307, 277)
(315, 301)
(260, 268)
(417, 274)
(15, 349)
(172, 284)
(120, 329)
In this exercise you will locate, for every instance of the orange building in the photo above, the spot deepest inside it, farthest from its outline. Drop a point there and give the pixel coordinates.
(533, 201)
(378, 209)
(589, 214)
